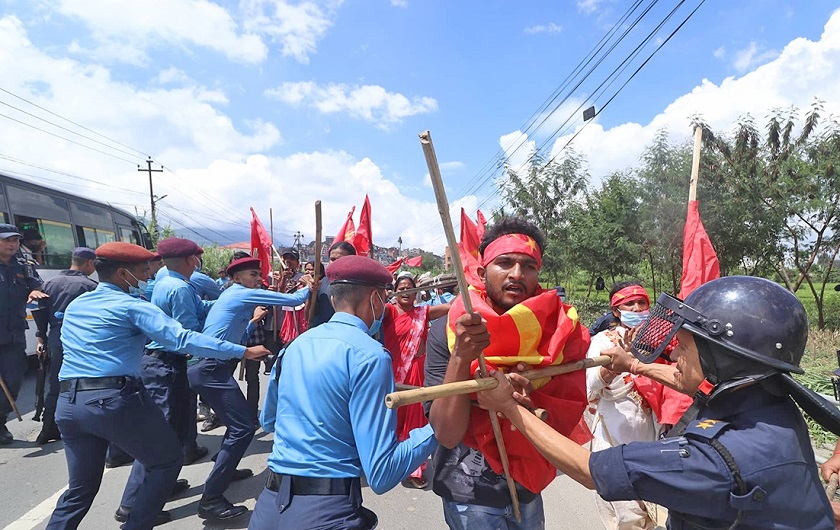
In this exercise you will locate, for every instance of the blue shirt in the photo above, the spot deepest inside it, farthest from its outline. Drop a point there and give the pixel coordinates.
(205, 287)
(768, 440)
(233, 310)
(177, 298)
(62, 289)
(104, 332)
(328, 411)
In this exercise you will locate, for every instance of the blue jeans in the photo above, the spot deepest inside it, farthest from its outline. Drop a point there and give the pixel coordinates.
(459, 516)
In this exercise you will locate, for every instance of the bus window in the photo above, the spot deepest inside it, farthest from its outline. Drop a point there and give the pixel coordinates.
(37, 205)
(58, 242)
(127, 235)
(93, 237)
(89, 215)
(4, 217)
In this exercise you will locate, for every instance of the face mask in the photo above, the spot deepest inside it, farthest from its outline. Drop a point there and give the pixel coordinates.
(377, 323)
(140, 290)
(198, 264)
(633, 319)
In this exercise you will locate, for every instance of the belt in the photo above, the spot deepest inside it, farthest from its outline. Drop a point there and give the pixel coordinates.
(166, 356)
(93, 383)
(311, 485)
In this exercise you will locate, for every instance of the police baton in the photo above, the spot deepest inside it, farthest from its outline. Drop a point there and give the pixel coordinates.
(9, 397)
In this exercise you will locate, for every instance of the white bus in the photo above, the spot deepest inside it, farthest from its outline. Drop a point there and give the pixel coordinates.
(64, 221)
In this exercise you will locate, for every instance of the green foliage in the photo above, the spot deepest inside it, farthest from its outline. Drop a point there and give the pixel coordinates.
(215, 258)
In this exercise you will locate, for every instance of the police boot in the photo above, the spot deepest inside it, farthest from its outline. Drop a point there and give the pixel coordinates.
(49, 431)
(5, 436)
(122, 513)
(219, 509)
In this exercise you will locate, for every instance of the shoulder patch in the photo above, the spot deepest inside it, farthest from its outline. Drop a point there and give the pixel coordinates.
(706, 428)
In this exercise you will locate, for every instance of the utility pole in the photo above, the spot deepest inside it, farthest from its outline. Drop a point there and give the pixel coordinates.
(298, 239)
(399, 251)
(152, 197)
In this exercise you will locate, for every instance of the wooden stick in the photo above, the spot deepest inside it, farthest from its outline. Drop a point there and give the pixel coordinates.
(695, 163)
(449, 230)
(9, 397)
(316, 265)
(425, 288)
(831, 487)
(407, 397)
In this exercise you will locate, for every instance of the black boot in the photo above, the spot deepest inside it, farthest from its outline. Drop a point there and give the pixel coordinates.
(49, 431)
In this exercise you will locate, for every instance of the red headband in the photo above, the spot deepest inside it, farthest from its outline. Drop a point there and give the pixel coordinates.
(512, 244)
(628, 294)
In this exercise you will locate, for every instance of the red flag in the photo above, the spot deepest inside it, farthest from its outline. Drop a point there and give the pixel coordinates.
(394, 266)
(260, 244)
(348, 230)
(363, 240)
(700, 263)
(415, 262)
(468, 249)
(480, 222)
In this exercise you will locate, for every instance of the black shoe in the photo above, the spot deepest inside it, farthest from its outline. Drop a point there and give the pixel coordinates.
(5, 436)
(122, 512)
(49, 433)
(181, 485)
(118, 461)
(191, 456)
(213, 422)
(241, 474)
(203, 413)
(219, 509)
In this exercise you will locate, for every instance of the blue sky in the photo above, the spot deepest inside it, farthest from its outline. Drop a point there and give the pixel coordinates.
(276, 103)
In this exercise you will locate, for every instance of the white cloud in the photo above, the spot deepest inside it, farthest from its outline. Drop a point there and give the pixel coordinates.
(549, 28)
(371, 103)
(719, 52)
(752, 56)
(802, 71)
(296, 27)
(399, 3)
(587, 7)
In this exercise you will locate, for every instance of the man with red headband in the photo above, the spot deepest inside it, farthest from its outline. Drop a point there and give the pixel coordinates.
(528, 326)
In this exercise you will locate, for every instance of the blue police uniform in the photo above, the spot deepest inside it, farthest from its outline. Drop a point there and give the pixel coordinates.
(62, 289)
(17, 280)
(164, 372)
(213, 379)
(205, 286)
(102, 399)
(768, 440)
(330, 427)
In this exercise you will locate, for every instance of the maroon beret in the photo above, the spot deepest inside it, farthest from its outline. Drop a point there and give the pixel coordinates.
(359, 270)
(124, 252)
(178, 247)
(156, 256)
(243, 264)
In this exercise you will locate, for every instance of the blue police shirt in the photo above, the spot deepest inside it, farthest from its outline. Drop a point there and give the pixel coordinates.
(231, 313)
(768, 440)
(62, 289)
(177, 298)
(328, 411)
(205, 287)
(104, 332)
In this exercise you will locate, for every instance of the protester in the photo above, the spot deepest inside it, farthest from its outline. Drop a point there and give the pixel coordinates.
(527, 324)
(228, 319)
(61, 290)
(742, 456)
(325, 407)
(619, 412)
(324, 309)
(102, 400)
(404, 332)
(19, 283)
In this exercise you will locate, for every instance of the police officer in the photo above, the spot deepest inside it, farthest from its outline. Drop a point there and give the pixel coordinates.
(325, 407)
(164, 372)
(62, 289)
(19, 281)
(102, 398)
(742, 455)
(228, 319)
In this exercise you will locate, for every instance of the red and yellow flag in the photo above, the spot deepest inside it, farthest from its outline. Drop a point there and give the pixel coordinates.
(541, 331)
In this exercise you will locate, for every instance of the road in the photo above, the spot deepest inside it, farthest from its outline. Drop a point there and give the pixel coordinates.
(33, 477)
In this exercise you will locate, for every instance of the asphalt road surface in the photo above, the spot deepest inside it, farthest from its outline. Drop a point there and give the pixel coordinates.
(33, 477)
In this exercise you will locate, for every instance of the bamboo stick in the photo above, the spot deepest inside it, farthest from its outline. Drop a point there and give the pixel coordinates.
(407, 397)
(316, 264)
(9, 398)
(443, 210)
(695, 163)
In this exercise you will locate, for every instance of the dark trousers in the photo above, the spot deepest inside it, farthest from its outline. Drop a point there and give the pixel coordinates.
(284, 511)
(213, 379)
(165, 381)
(252, 380)
(56, 358)
(12, 370)
(89, 420)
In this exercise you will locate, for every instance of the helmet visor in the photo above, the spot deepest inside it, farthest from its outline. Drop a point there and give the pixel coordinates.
(657, 336)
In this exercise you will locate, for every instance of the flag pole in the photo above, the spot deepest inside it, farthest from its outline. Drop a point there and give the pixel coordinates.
(446, 219)
(695, 163)
(316, 265)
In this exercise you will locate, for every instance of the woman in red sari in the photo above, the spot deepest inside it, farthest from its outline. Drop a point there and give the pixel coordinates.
(404, 330)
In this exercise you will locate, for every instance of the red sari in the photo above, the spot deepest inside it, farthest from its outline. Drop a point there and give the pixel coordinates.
(404, 336)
